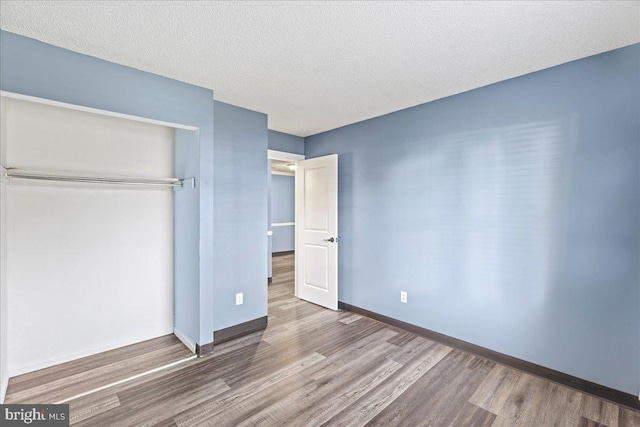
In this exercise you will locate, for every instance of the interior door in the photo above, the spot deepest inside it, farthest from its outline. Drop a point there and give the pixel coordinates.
(317, 230)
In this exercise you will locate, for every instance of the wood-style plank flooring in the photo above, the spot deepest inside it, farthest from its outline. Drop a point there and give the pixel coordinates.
(69, 379)
(316, 367)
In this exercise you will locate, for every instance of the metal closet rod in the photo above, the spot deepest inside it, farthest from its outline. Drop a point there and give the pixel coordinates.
(172, 182)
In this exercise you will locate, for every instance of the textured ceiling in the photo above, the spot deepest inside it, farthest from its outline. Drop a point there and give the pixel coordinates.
(315, 66)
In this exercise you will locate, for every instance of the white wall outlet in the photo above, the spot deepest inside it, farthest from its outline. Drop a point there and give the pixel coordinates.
(239, 299)
(403, 297)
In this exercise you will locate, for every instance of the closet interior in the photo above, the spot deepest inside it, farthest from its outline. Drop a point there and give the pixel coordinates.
(87, 233)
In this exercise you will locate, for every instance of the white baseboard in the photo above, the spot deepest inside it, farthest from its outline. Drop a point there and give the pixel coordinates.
(186, 341)
(3, 386)
(47, 362)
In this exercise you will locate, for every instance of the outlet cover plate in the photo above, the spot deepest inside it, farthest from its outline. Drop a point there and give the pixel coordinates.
(403, 297)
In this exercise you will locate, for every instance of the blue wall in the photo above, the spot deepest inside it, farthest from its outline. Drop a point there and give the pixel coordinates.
(269, 229)
(33, 68)
(186, 253)
(510, 215)
(284, 142)
(283, 210)
(240, 214)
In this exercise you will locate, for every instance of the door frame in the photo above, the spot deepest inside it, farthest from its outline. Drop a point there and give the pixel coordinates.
(293, 158)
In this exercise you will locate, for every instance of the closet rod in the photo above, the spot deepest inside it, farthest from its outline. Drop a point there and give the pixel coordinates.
(173, 182)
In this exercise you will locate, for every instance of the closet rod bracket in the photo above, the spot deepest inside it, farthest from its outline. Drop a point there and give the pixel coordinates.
(187, 183)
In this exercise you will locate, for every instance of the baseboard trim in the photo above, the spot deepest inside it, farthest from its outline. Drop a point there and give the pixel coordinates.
(185, 340)
(240, 330)
(616, 396)
(282, 253)
(204, 349)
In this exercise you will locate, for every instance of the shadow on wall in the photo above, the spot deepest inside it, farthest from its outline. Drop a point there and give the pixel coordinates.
(483, 201)
(508, 213)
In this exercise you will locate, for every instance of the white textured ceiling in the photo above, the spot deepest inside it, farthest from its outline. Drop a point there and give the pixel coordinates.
(315, 66)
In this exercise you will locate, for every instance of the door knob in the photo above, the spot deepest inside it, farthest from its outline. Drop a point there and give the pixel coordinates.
(330, 240)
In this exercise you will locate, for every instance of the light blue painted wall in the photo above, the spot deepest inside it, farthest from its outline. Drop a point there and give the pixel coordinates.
(33, 68)
(284, 142)
(186, 253)
(510, 215)
(283, 207)
(269, 238)
(283, 210)
(240, 214)
(284, 239)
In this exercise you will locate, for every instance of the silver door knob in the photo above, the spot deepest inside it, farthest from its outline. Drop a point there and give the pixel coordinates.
(330, 240)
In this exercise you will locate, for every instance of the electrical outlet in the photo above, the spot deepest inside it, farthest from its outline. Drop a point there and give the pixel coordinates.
(239, 299)
(403, 297)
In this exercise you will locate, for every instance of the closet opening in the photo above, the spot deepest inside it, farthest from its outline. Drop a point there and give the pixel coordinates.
(87, 235)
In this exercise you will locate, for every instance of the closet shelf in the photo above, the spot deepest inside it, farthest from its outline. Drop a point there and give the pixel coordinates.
(169, 182)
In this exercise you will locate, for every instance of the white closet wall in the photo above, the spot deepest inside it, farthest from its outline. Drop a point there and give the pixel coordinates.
(90, 267)
(4, 362)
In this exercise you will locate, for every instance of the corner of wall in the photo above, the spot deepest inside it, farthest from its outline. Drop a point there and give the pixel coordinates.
(187, 239)
(3, 387)
(185, 340)
(207, 218)
(4, 371)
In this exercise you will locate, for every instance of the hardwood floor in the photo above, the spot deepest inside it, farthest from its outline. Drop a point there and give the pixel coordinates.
(69, 379)
(316, 367)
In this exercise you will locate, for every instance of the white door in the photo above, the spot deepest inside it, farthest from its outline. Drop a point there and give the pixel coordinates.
(317, 231)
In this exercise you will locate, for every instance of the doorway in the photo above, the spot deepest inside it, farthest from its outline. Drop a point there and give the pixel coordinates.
(303, 217)
(281, 206)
